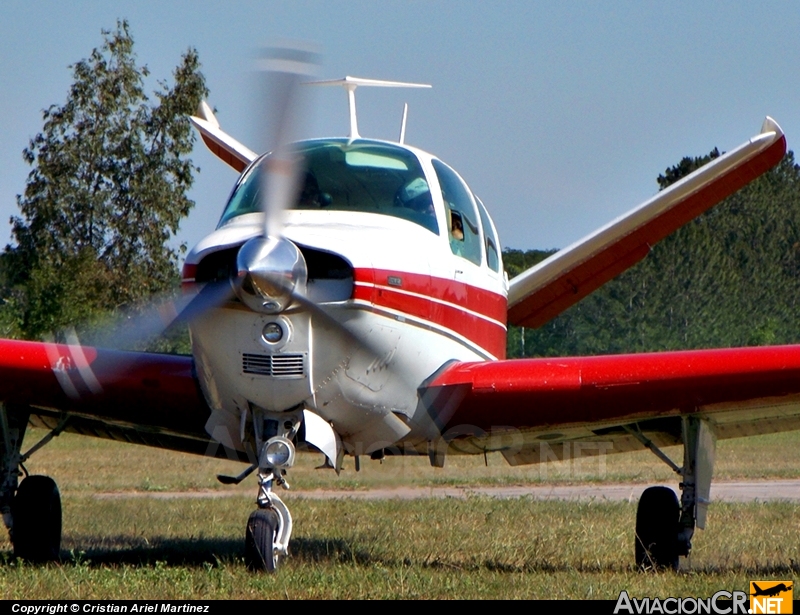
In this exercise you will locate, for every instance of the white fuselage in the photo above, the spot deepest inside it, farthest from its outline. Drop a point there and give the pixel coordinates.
(410, 306)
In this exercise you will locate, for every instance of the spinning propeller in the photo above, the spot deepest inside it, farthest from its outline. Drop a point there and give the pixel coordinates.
(270, 269)
(271, 272)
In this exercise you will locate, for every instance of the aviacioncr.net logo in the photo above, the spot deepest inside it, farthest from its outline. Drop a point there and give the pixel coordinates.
(771, 597)
(722, 602)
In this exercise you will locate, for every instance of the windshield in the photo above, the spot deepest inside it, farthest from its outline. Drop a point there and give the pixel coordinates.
(360, 176)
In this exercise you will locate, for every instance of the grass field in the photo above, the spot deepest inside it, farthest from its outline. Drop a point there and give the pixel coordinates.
(451, 548)
(90, 465)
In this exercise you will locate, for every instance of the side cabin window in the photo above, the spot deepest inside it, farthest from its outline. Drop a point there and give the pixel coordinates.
(462, 215)
(364, 176)
(492, 244)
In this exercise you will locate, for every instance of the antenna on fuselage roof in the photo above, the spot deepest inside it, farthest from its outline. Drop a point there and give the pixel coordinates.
(351, 83)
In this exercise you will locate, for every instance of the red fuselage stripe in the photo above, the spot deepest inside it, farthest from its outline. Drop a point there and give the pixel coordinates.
(474, 313)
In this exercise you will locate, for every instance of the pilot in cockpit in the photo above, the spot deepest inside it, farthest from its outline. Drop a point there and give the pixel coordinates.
(456, 231)
(311, 197)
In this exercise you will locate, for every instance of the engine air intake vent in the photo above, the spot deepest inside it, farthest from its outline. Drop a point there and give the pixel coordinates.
(277, 366)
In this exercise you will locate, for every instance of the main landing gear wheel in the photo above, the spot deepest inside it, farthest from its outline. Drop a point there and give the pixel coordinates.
(259, 542)
(657, 529)
(36, 512)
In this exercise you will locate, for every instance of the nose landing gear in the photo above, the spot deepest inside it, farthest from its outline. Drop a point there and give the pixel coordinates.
(270, 527)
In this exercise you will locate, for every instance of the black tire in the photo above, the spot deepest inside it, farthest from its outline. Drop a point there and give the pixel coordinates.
(36, 512)
(259, 541)
(657, 520)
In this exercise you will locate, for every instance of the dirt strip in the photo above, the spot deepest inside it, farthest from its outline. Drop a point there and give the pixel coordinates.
(733, 491)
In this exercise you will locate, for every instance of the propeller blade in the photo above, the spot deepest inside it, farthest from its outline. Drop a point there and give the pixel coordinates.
(139, 326)
(281, 71)
(322, 314)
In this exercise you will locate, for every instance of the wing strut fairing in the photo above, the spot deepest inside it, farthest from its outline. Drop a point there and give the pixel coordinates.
(547, 289)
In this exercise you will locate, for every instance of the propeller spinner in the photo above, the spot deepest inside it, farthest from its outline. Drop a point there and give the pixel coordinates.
(271, 271)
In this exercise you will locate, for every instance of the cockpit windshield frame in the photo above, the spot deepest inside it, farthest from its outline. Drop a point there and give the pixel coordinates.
(342, 175)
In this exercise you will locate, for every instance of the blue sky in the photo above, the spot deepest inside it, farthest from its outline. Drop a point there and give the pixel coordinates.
(559, 115)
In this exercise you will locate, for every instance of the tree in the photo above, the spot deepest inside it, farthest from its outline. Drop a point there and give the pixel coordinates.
(106, 193)
(515, 262)
(684, 167)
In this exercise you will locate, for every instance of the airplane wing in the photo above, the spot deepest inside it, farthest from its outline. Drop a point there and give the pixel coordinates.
(221, 144)
(547, 289)
(529, 408)
(138, 397)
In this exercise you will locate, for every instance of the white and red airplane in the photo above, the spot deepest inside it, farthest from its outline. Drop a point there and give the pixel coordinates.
(352, 300)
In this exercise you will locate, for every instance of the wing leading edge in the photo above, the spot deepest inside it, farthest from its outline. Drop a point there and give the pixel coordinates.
(145, 398)
(518, 406)
(544, 291)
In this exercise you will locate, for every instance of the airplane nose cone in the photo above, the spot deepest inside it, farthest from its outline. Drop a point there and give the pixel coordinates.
(269, 271)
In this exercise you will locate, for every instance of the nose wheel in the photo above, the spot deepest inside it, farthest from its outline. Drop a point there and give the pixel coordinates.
(259, 543)
(266, 541)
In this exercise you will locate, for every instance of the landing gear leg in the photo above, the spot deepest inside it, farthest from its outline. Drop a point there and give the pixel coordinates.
(13, 421)
(31, 509)
(699, 450)
(269, 528)
(665, 527)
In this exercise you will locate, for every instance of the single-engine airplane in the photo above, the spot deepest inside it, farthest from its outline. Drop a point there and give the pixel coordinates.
(352, 300)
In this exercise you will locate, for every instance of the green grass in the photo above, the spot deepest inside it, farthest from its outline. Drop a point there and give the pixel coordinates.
(90, 465)
(474, 548)
(429, 548)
